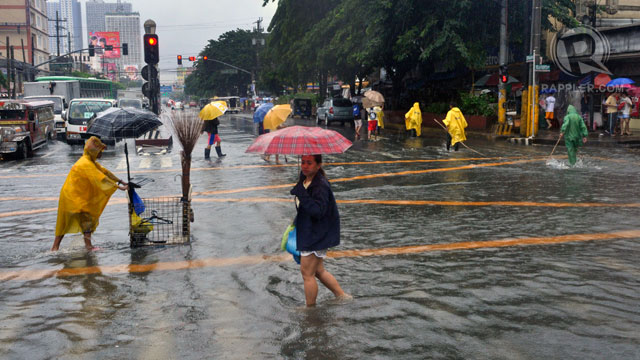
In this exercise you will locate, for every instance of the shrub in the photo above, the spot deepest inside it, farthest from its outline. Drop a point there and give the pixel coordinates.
(476, 104)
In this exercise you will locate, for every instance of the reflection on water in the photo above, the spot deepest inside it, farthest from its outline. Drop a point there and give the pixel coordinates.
(571, 300)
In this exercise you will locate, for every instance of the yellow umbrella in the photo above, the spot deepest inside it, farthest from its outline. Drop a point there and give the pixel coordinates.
(276, 116)
(212, 110)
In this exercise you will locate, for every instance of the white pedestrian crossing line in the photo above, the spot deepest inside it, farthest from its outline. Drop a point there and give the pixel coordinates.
(166, 162)
(144, 163)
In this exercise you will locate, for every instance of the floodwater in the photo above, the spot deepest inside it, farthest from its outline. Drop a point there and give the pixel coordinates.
(429, 281)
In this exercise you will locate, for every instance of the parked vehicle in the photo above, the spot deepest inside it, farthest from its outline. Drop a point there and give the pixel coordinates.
(132, 103)
(25, 126)
(59, 105)
(79, 114)
(335, 109)
(302, 108)
(233, 103)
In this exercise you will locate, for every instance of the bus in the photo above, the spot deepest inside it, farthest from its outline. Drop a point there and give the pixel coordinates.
(89, 87)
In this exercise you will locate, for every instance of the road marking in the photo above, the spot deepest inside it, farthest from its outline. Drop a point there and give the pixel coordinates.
(166, 162)
(119, 201)
(122, 164)
(145, 163)
(28, 275)
(243, 167)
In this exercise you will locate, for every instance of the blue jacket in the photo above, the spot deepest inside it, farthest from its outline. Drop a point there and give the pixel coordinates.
(318, 222)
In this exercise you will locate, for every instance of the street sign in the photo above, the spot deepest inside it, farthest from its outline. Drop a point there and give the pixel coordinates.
(543, 68)
(149, 70)
(529, 59)
(228, 71)
(166, 88)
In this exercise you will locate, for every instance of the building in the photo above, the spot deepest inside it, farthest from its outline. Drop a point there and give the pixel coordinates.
(128, 25)
(613, 12)
(97, 10)
(24, 24)
(69, 35)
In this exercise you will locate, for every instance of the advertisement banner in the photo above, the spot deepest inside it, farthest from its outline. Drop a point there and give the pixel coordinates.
(100, 39)
(112, 71)
(131, 72)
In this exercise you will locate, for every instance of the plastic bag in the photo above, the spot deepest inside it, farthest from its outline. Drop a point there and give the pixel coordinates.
(289, 243)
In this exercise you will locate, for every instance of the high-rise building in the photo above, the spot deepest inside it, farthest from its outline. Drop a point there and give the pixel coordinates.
(70, 29)
(96, 11)
(25, 24)
(128, 25)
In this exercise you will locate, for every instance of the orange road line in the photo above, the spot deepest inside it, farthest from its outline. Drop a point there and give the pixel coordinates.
(270, 166)
(373, 176)
(26, 275)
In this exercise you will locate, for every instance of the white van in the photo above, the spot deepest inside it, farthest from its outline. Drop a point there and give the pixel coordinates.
(78, 116)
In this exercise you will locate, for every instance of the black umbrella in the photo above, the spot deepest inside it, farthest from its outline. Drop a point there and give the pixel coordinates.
(119, 123)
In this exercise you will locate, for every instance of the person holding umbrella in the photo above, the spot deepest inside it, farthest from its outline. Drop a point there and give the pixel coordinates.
(209, 114)
(84, 195)
(318, 228)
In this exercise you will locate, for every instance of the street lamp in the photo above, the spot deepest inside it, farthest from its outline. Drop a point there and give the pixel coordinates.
(149, 27)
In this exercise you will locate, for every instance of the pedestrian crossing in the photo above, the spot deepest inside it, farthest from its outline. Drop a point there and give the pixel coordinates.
(147, 163)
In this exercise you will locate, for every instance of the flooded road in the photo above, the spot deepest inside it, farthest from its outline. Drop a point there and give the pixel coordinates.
(447, 255)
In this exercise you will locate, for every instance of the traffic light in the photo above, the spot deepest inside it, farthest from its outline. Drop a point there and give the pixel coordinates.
(205, 57)
(504, 74)
(179, 59)
(125, 49)
(192, 58)
(92, 50)
(151, 53)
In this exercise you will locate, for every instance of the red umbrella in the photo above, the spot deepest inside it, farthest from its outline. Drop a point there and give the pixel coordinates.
(300, 140)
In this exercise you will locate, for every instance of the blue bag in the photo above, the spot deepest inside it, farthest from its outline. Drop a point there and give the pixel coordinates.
(291, 243)
(138, 204)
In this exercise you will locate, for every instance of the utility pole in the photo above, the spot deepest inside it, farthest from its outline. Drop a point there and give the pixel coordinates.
(57, 21)
(536, 12)
(13, 74)
(9, 65)
(502, 97)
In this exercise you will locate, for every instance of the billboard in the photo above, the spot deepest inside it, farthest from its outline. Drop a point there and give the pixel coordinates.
(131, 72)
(99, 39)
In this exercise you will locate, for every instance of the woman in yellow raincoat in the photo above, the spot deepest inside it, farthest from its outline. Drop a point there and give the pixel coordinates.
(456, 123)
(413, 120)
(84, 194)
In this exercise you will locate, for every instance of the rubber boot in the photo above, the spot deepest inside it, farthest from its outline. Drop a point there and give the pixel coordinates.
(219, 152)
(207, 153)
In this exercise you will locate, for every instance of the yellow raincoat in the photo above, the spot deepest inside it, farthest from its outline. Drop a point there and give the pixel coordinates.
(85, 193)
(413, 119)
(379, 116)
(456, 123)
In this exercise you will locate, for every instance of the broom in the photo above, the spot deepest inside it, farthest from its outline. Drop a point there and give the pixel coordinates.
(187, 126)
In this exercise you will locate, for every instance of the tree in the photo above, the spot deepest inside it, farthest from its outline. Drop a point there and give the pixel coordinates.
(213, 78)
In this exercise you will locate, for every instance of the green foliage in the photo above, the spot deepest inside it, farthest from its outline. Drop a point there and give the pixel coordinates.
(286, 99)
(3, 80)
(476, 104)
(213, 78)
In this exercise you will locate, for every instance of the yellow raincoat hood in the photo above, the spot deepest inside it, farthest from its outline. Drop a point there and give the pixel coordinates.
(413, 119)
(85, 193)
(456, 123)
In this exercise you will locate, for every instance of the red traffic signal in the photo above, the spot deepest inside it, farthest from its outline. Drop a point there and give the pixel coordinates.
(179, 59)
(205, 57)
(192, 58)
(504, 79)
(151, 53)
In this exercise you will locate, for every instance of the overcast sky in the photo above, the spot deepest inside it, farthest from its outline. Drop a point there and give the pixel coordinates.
(185, 26)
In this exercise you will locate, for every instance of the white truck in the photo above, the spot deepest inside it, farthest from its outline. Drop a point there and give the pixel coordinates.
(54, 91)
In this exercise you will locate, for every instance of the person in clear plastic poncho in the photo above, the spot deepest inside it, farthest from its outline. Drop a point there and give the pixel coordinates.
(574, 131)
(413, 120)
(84, 194)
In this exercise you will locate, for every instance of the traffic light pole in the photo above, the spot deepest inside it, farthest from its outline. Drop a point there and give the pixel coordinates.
(502, 97)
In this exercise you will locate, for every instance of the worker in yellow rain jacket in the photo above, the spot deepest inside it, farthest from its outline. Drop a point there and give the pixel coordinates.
(413, 120)
(84, 194)
(456, 123)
